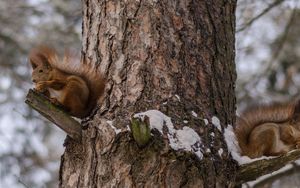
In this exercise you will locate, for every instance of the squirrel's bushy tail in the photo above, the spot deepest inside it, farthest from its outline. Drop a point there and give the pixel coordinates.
(91, 74)
(255, 116)
(71, 64)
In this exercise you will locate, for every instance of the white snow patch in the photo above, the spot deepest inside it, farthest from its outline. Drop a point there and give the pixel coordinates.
(110, 123)
(77, 119)
(234, 148)
(216, 122)
(212, 134)
(205, 121)
(183, 139)
(199, 154)
(297, 162)
(185, 121)
(157, 120)
(220, 151)
(194, 114)
(208, 150)
(177, 96)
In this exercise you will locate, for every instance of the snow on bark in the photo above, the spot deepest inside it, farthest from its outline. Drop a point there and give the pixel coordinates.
(216, 122)
(194, 114)
(183, 139)
(110, 123)
(220, 151)
(234, 148)
(177, 96)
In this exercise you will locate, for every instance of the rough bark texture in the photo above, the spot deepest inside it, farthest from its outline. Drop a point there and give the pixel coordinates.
(171, 55)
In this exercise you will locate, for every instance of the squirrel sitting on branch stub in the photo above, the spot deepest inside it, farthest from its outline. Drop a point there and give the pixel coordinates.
(269, 130)
(66, 81)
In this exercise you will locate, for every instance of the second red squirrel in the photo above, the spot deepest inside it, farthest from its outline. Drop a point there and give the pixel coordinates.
(67, 82)
(269, 130)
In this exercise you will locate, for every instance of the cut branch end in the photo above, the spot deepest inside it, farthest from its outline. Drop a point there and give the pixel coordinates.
(54, 114)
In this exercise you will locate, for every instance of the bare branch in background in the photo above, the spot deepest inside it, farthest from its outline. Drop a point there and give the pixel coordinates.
(20, 181)
(282, 41)
(265, 11)
(270, 64)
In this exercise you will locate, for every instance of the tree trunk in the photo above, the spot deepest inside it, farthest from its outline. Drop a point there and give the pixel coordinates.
(169, 55)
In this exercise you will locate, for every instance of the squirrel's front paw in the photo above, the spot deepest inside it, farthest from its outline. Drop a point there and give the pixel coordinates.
(55, 101)
(298, 145)
(40, 87)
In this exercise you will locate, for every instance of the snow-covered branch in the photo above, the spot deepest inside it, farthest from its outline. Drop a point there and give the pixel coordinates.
(253, 170)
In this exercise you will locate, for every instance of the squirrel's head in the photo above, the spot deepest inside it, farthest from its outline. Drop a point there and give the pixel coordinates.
(41, 69)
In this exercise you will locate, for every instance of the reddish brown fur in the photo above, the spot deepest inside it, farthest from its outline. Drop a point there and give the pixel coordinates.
(76, 86)
(268, 130)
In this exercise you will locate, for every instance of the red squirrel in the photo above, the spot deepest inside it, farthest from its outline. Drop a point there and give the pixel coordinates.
(73, 85)
(269, 130)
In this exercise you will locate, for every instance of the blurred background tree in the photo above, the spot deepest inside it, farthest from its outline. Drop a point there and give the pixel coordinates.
(267, 50)
(268, 68)
(267, 57)
(29, 150)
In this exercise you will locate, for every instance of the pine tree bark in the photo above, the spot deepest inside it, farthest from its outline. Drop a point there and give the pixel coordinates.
(170, 55)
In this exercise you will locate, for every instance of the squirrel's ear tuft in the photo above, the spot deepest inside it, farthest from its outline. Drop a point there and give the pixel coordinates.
(48, 66)
(33, 64)
(39, 56)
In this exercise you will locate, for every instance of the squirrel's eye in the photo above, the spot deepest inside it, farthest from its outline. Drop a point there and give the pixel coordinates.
(40, 70)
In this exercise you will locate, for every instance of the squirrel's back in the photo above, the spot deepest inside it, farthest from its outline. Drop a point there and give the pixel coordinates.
(255, 116)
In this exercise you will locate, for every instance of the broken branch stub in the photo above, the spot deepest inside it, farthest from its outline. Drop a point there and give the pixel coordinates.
(54, 114)
(140, 129)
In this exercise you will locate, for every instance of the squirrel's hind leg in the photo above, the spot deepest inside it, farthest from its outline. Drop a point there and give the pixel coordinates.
(75, 96)
(262, 140)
